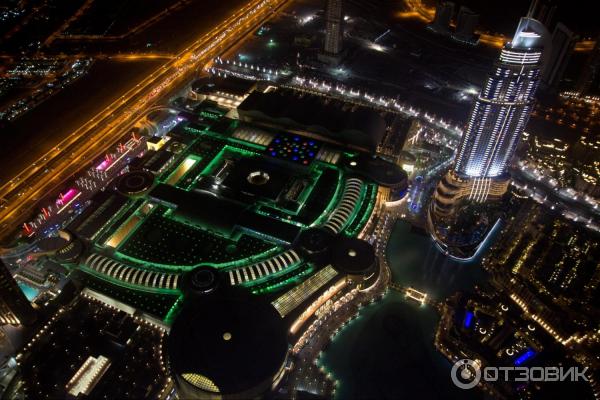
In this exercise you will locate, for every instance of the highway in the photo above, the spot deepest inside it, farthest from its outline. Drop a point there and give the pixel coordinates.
(20, 194)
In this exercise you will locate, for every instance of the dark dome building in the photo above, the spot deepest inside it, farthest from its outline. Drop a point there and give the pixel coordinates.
(228, 345)
(314, 244)
(377, 169)
(356, 258)
(134, 183)
(65, 247)
(201, 281)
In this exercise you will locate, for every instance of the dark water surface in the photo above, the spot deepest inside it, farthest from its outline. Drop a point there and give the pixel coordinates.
(388, 351)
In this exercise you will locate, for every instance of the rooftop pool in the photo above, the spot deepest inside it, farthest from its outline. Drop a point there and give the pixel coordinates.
(28, 291)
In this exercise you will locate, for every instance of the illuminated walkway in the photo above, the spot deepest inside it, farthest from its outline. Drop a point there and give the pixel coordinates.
(115, 270)
(265, 268)
(340, 216)
(413, 294)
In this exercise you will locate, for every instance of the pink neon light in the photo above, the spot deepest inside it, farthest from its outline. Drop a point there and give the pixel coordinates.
(103, 165)
(69, 195)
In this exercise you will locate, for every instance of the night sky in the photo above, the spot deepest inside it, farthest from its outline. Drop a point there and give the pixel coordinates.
(501, 15)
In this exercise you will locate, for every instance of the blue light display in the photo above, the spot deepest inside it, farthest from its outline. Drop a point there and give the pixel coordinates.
(468, 319)
(294, 148)
(524, 357)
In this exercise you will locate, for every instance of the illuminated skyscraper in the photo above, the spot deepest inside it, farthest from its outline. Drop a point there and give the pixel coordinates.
(334, 27)
(501, 111)
(497, 120)
(15, 309)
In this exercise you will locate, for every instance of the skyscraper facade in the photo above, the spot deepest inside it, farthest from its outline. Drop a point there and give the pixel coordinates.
(334, 27)
(15, 309)
(497, 120)
(563, 43)
(589, 80)
(444, 11)
(501, 111)
(466, 22)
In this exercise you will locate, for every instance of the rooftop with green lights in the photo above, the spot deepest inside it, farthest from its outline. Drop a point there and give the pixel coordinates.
(229, 195)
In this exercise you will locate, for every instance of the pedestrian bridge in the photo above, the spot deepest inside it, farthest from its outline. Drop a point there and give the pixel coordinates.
(411, 293)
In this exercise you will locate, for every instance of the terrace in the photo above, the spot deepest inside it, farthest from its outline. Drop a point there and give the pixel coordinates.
(90, 328)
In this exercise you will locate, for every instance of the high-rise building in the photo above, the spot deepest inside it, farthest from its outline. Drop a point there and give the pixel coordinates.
(466, 22)
(589, 81)
(497, 120)
(444, 12)
(15, 309)
(563, 43)
(501, 111)
(543, 11)
(334, 27)
(545, 14)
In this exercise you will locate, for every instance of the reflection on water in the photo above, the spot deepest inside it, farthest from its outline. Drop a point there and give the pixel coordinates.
(388, 352)
(416, 261)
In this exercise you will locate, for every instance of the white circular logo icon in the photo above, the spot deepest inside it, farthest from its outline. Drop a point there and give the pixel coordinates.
(465, 374)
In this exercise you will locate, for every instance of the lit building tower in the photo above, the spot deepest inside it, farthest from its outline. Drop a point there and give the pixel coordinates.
(496, 122)
(499, 115)
(501, 111)
(334, 29)
(15, 309)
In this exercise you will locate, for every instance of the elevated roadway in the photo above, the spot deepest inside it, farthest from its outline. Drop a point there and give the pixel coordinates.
(19, 195)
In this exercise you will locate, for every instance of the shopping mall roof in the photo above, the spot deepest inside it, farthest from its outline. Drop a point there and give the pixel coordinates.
(227, 343)
(339, 121)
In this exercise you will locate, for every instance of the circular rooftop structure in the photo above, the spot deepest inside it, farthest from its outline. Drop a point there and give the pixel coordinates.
(52, 243)
(70, 253)
(353, 256)
(161, 114)
(228, 345)
(201, 281)
(381, 171)
(134, 182)
(64, 248)
(258, 178)
(315, 241)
